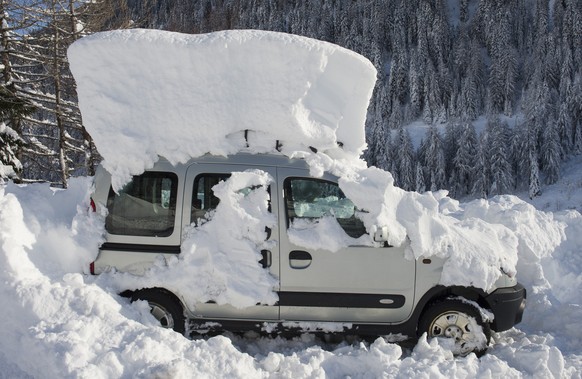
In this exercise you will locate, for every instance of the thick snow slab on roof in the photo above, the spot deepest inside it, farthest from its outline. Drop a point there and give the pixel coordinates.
(146, 93)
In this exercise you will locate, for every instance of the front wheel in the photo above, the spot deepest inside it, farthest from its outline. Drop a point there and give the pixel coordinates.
(460, 321)
(164, 307)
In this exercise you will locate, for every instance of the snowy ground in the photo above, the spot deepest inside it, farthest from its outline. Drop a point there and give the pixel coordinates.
(59, 322)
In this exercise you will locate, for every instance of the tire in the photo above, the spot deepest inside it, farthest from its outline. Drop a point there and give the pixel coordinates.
(164, 307)
(453, 318)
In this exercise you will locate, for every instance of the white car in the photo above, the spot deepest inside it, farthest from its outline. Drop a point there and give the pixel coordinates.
(387, 293)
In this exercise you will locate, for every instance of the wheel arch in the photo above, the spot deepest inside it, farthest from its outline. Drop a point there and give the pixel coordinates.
(131, 294)
(168, 307)
(166, 292)
(439, 293)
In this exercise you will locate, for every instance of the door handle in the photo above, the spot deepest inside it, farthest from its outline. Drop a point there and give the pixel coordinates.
(267, 259)
(299, 259)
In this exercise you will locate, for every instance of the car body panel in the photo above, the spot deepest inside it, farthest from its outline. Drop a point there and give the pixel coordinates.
(368, 287)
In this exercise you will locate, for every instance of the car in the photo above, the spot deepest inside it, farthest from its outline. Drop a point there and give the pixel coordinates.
(362, 289)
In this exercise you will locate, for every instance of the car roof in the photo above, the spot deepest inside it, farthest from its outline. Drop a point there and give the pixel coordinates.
(247, 159)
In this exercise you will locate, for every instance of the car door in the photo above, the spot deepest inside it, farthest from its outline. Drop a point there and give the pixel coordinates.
(198, 200)
(352, 284)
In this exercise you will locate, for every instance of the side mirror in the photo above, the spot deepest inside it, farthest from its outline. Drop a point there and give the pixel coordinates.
(381, 234)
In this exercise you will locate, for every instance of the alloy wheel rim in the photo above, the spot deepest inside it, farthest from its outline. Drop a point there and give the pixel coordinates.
(164, 317)
(457, 326)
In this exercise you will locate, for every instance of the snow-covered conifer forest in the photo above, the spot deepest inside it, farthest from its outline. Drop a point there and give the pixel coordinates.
(480, 97)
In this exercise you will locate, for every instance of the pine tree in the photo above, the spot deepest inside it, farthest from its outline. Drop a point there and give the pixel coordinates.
(472, 90)
(534, 176)
(420, 185)
(14, 107)
(427, 112)
(378, 154)
(504, 65)
(12, 110)
(10, 141)
(575, 110)
(520, 150)
(564, 117)
(463, 11)
(406, 162)
(464, 161)
(399, 65)
(500, 166)
(564, 130)
(416, 93)
(451, 145)
(435, 159)
(551, 153)
(392, 164)
(577, 148)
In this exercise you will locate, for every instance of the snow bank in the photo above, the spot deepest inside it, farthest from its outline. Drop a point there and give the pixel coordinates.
(61, 325)
(180, 96)
(58, 324)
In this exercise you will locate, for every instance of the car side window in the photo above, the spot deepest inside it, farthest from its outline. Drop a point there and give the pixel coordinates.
(316, 198)
(203, 199)
(146, 206)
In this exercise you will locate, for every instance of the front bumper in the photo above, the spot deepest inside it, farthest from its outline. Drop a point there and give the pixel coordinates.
(507, 304)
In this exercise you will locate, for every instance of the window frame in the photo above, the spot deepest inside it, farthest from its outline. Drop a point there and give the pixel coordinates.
(195, 183)
(288, 200)
(134, 230)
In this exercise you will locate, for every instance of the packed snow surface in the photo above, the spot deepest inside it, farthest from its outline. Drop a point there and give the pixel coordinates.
(168, 94)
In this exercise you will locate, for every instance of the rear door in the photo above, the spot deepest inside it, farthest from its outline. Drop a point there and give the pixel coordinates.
(198, 201)
(143, 219)
(353, 284)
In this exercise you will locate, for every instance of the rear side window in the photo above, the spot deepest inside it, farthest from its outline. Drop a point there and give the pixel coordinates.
(203, 199)
(144, 207)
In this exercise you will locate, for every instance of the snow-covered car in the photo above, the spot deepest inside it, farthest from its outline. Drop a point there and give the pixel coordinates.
(262, 213)
(193, 247)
